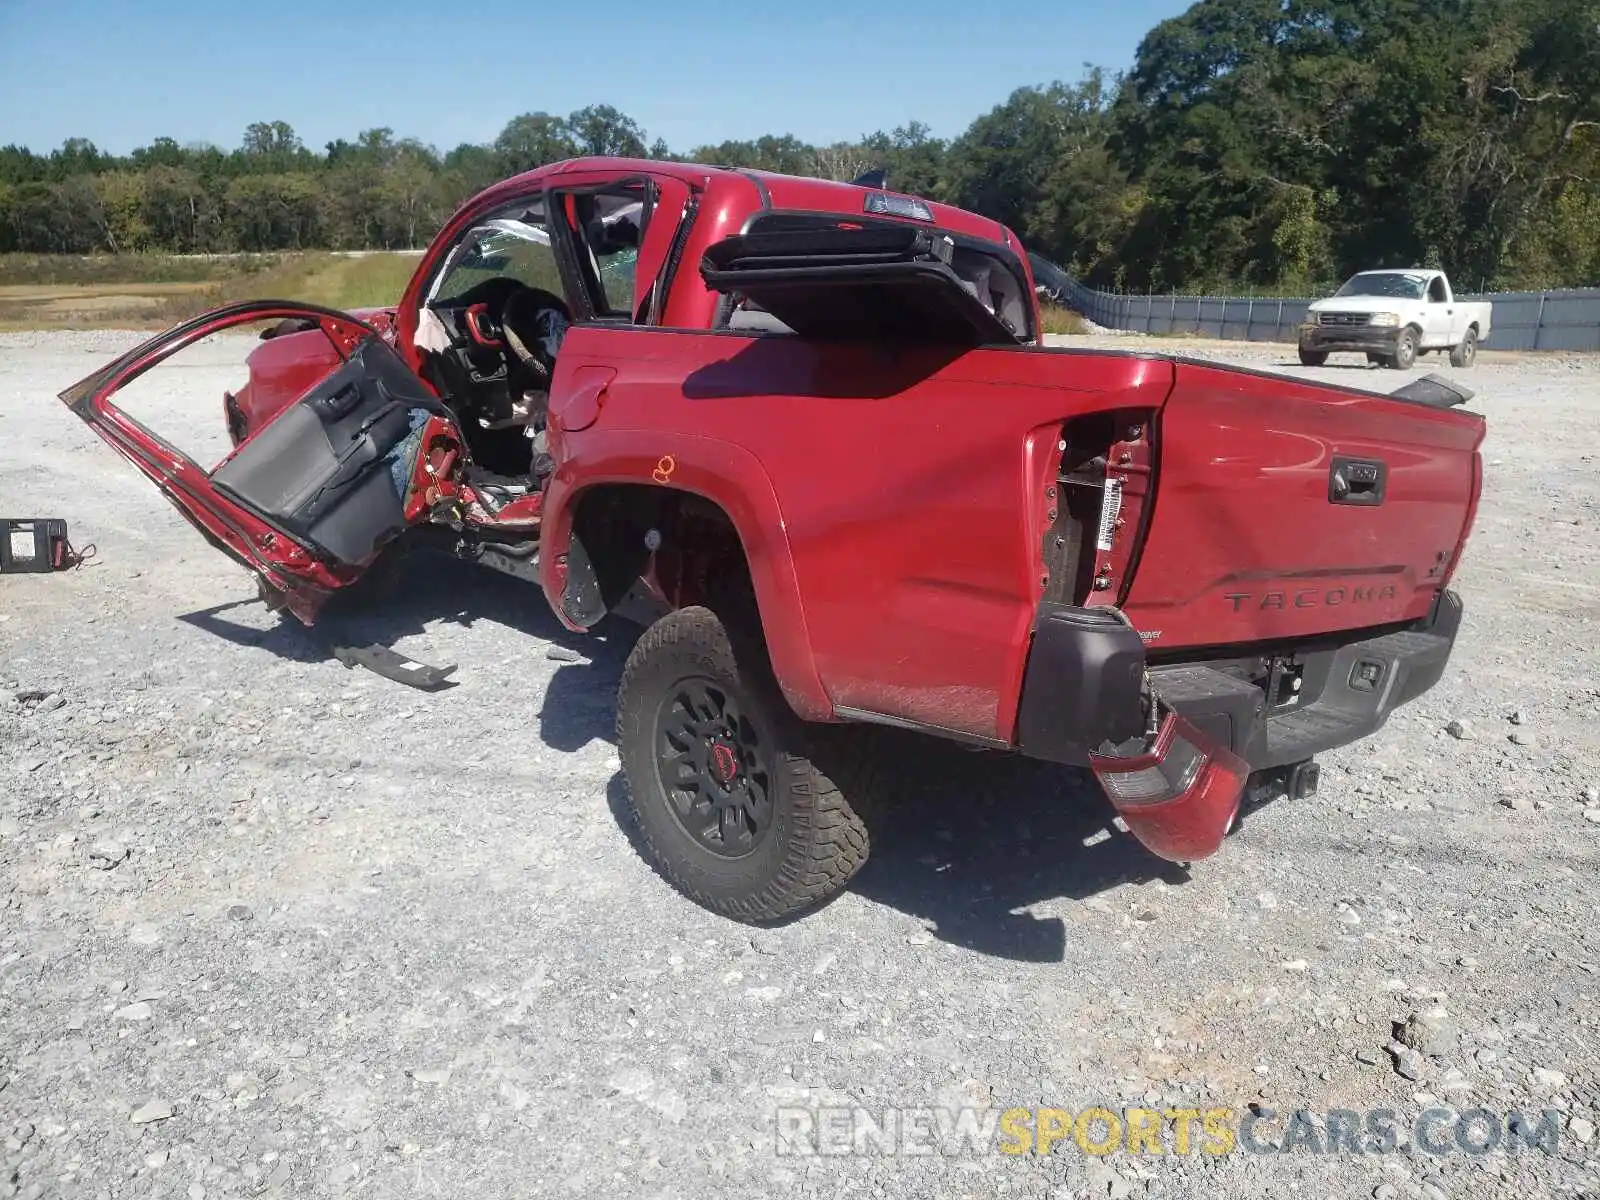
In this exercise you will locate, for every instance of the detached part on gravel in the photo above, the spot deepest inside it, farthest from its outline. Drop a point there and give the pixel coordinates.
(36, 545)
(829, 464)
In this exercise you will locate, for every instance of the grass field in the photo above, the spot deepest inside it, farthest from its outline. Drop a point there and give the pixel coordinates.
(128, 268)
(153, 291)
(150, 291)
(1055, 319)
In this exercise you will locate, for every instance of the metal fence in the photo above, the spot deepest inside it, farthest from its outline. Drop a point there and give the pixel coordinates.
(1564, 320)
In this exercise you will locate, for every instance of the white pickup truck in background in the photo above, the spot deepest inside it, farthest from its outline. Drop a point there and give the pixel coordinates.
(1392, 317)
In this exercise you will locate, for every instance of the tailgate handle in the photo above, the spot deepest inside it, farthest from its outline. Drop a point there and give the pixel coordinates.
(1356, 481)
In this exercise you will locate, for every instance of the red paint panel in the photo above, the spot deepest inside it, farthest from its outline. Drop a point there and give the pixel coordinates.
(583, 396)
(724, 473)
(907, 486)
(848, 199)
(1244, 543)
(282, 369)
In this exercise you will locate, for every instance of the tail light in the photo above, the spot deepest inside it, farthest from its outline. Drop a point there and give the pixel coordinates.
(1179, 793)
(1097, 512)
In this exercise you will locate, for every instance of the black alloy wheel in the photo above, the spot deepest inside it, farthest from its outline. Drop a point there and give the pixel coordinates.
(713, 767)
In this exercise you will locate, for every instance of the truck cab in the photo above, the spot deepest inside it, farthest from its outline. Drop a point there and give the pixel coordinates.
(602, 242)
(1394, 316)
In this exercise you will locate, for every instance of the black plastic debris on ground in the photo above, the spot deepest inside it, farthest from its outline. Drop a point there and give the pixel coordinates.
(35, 545)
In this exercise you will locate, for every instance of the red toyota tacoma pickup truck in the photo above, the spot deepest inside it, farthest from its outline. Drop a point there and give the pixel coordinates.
(809, 434)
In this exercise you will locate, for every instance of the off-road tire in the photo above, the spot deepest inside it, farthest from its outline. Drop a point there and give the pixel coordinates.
(1405, 351)
(1466, 353)
(815, 840)
(1313, 358)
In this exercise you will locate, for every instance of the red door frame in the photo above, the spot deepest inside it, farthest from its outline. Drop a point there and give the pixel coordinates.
(293, 569)
(672, 195)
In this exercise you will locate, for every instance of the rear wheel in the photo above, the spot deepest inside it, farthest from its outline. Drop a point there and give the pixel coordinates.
(1312, 358)
(741, 806)
(1466, 353)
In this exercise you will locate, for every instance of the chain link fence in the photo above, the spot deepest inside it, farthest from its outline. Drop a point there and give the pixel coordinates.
(1559, 320)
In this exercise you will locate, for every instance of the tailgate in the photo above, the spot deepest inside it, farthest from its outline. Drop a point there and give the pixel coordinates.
(1285, 509)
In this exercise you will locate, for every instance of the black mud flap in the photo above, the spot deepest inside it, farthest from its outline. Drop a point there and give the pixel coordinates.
(888, 283)
(391, 664)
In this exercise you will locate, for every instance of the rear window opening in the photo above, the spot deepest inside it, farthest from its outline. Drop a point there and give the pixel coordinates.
(986, 273)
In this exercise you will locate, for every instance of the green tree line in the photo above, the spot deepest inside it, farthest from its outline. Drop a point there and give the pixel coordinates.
(1253, 143)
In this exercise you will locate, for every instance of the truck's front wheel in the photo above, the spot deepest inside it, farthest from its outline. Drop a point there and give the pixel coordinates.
(724, 782)
(1405, 351)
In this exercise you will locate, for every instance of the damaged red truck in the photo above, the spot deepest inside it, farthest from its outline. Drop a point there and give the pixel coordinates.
(808, 434)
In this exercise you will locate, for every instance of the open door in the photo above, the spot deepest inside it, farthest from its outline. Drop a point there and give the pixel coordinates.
(311, 498)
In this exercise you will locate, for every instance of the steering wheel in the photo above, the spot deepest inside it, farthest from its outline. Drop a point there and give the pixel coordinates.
(533, 322)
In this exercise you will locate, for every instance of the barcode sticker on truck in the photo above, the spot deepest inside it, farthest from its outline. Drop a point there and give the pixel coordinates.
(1110, 510)
(22, 543)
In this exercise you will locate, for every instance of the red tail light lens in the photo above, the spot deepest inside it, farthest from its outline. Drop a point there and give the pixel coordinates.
(1179, 796)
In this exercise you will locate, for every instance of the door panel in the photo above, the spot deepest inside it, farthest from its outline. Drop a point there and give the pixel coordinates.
(1437, 332)
(1437, 318)
(312, 497)
(602, 279)
(332, 470)
(670, 210)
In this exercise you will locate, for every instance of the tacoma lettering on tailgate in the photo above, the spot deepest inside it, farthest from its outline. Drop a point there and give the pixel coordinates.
(1309, 597)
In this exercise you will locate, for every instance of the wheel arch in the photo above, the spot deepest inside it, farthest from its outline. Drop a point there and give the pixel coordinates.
(614, 504)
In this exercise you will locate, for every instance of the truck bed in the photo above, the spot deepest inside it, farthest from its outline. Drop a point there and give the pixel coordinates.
(931, 498)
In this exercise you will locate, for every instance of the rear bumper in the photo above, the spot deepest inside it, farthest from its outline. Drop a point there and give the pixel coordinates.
(1347, 692)
(1084, 671)
(1083, 704)
(1373, 339)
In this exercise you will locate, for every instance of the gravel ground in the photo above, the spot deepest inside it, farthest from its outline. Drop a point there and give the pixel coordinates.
(273, 926)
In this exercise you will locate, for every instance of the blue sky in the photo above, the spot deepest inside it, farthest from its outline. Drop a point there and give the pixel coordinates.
(122, 72)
